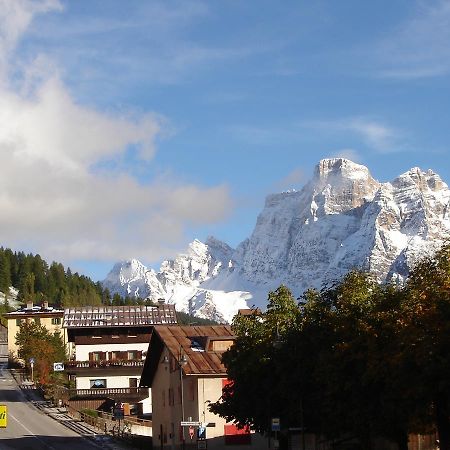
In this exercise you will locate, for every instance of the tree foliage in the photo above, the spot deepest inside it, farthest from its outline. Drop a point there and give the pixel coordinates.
(37, 281)
(35, 341)
(358, 361)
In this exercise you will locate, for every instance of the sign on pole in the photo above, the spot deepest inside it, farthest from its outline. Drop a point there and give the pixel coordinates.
(275, 424)
(3, 416)
(58, 367)
(190, 424)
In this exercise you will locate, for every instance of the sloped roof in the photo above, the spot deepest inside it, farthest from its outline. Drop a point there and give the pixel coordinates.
(191, 341)
(117, 316)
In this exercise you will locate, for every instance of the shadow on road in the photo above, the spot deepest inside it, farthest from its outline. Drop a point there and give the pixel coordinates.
(48, 443)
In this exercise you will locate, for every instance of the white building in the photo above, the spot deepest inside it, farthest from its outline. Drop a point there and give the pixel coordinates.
(108, 345)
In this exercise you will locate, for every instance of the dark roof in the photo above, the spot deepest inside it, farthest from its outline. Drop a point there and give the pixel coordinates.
(119, 316)
(191, 341)
(27, 311)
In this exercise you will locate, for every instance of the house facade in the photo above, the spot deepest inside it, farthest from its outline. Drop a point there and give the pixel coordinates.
(48, 316)
(186, 374)
(108, 346)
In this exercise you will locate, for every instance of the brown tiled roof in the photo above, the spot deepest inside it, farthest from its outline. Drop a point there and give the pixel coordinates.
(193, 342)
(116, 316)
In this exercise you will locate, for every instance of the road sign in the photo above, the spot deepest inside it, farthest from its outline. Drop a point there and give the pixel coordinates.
(58, 367)
(3, 416)
(191, 432)
(31, 361)
(190, 424)
(201, 432)
(275, 424)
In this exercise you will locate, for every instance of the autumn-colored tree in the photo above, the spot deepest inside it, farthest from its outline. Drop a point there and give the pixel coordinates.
(427, 338)
(35, 341)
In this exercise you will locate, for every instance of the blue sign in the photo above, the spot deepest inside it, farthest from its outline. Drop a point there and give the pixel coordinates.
(275, 424)
(31, 361)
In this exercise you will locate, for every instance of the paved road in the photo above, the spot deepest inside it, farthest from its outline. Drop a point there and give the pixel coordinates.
(28, 428)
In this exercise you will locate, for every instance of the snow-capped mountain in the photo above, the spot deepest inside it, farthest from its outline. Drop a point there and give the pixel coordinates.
(342, 219)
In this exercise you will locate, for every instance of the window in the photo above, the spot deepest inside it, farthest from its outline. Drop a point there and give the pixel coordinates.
(171, 397)
(37, 321)
(18, 322)
(113, 356)
(133, 382)
(56, 321)
(191, 390)
(96, 356)
(132, 354)
(98, 383)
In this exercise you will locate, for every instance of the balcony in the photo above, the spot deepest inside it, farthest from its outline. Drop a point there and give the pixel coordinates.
(107, 367)
(126, 395)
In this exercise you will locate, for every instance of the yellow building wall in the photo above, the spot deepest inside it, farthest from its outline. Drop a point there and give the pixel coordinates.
(13, 329)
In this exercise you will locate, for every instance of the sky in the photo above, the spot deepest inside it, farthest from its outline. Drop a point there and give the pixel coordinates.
(129, 129)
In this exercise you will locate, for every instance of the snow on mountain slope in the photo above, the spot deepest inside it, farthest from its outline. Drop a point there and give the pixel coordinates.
(342, 219)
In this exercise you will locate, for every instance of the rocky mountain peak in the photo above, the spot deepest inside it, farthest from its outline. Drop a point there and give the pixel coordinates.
(341, 220)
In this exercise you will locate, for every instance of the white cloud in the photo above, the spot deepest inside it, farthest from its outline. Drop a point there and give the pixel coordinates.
(348, 153)
(419, 47)
(53, 198)
(292, 180)
(376, 135)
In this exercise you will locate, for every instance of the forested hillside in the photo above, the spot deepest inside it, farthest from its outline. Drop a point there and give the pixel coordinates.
(38, 281)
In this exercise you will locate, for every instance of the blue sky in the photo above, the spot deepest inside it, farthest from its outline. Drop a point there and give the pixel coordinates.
(132, 128)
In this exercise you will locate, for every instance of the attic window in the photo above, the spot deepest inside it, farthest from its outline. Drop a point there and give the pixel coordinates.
(196, 346)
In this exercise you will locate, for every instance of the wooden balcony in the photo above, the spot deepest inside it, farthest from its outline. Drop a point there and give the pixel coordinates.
(117, 367)
(125, 395)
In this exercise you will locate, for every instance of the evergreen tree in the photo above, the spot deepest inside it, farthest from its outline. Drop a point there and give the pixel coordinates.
(5, 272)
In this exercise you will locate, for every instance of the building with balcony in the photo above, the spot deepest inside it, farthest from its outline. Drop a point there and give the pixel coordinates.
(108, 346)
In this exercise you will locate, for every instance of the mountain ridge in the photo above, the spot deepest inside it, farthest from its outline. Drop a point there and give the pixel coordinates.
(342, 219)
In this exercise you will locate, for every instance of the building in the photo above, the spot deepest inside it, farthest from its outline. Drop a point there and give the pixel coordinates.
(45, 315)
(185, 373)
(108, 345)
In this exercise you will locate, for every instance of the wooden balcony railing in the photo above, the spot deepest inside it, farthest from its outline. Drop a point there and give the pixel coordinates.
(123, 394)
(105, 363)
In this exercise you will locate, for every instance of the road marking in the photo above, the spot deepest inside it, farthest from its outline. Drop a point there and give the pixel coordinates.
(30, 432)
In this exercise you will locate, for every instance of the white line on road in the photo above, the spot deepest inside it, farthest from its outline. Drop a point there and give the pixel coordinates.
(30, 432)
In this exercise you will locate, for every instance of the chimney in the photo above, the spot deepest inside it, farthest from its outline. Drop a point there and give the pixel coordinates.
(30, 304)
(45, 306)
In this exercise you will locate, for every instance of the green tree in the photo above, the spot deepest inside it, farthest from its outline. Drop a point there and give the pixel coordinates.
(5, 272)
(35, 341)
(427, 338)
(254, 364)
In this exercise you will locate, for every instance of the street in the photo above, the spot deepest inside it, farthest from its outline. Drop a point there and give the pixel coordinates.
(29, 428)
